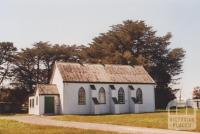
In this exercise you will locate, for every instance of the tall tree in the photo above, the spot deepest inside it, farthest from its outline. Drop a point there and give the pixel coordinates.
(34, 65)
(136, 43)
(47, 54)
(7, 52)
(196, 93)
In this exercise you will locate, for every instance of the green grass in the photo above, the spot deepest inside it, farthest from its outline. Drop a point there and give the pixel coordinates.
(14, 127)
(159, 119)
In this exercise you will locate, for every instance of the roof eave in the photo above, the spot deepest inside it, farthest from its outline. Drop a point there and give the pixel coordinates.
(48, 94)
(152, 83)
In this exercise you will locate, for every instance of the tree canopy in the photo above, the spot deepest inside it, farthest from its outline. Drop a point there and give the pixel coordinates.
(132, 42)
(33, 65)
(7, 52)
(135, 43)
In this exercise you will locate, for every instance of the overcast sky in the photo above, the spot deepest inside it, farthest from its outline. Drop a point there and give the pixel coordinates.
(24, 22)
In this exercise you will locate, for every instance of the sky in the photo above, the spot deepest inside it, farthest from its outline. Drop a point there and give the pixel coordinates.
(25, 22)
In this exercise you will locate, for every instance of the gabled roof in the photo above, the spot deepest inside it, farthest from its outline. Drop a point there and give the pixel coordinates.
(47, 89)
(98, 73)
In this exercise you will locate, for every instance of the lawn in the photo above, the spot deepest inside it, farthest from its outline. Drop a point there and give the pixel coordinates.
(14, 127)
(159, 119)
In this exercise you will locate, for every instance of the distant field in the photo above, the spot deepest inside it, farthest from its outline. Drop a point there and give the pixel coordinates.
(14, 127)
(152, 120)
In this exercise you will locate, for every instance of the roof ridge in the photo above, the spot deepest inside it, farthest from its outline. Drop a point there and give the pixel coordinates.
(61, 62)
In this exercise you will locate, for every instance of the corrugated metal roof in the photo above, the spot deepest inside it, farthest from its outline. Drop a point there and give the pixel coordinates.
(47, 89)
(108, 73)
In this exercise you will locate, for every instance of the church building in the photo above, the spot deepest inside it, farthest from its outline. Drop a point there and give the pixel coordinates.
(77, 88)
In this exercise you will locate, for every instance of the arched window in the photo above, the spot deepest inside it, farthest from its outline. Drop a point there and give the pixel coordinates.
(139, 96)
(121, 96)
(81, 96)
(102, 95)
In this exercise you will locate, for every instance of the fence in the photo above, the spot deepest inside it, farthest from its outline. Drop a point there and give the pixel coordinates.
(9, 107)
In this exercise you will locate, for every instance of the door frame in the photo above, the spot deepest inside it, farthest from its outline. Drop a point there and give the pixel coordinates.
(53, 105)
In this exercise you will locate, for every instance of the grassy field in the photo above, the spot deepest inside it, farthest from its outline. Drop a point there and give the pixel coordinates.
(14, 127)
(159, 119)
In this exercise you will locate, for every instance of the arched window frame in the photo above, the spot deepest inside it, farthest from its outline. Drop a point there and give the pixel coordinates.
(139, 96)
(81, 96)
(121, 96)
(102, 96)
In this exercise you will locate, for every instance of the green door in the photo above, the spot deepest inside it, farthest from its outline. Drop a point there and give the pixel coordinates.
(49, 105)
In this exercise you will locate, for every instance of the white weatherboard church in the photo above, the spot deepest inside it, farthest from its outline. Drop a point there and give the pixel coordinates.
(94, 89)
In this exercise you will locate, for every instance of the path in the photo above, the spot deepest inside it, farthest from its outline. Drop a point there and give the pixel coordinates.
(39, 120)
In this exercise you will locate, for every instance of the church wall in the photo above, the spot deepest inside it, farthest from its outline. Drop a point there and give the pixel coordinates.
(71, 106)
(57, 79)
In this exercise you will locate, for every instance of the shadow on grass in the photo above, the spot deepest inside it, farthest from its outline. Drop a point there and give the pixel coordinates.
(13, 114)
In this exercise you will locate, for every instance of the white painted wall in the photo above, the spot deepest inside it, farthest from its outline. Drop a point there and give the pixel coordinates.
(70, 97)
(148, 98)
(57, 79)
(42, 104)
(36, 108)
(70, 100)
(39, 107)
(31, 110)
(131, 94)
